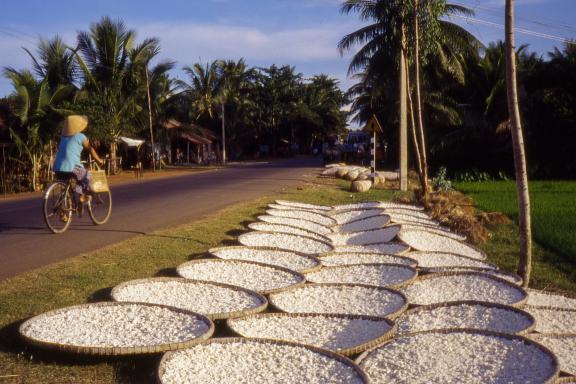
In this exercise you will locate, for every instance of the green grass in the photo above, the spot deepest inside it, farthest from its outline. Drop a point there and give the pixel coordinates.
(90, 277)
(553, 206)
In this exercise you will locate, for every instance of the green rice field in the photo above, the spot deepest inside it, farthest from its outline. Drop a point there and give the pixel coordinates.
(553, 210)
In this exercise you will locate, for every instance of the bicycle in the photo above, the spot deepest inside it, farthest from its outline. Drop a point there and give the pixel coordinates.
(59, 204)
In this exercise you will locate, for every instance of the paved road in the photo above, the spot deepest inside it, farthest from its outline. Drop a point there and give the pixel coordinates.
(139, 208)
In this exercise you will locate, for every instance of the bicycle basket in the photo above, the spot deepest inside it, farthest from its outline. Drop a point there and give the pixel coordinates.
(98, 181)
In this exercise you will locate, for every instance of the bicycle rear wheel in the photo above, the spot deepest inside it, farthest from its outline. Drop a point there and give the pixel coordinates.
(57, 207)
(100, 207)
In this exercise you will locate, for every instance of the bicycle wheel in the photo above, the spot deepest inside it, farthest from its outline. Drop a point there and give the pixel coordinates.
(57, 207)
(100, 207)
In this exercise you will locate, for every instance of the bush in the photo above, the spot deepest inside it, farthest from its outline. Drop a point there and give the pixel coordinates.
(441, 181)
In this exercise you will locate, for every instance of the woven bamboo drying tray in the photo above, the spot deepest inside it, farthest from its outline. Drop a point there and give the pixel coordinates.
(493, 272)
(228, 340)
(322, 217)
(404, 282)
(254, 227)
(442, 274)
(566, 379)
(559, 336)
(266, 219)
(211, 316)
(115, 351)
(408, 260)
(343, 249)
(527, 308)
(353, 235)
(551, 293)
(328, 244)
(486, 264)
(301, 277)
(370, 211)
(313, 259)
(293, 208)
(390, 316)
(345, 351)
(296, 204)
(478, 250)
(474, 302)
(551, 380)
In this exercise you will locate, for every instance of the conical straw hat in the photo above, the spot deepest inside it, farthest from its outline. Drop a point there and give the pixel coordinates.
(74, 124)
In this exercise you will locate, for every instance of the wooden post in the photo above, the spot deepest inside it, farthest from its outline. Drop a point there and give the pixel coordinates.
(403, 124)
(150, 117)
(223, 137)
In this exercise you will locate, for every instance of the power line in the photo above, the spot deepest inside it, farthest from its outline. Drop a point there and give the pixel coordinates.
(17, 34)
(523, 31)
(553, 24)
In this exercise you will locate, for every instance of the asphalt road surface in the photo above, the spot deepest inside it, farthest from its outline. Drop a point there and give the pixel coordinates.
(138, 208)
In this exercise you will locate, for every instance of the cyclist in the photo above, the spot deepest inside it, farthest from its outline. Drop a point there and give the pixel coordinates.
(67, 164)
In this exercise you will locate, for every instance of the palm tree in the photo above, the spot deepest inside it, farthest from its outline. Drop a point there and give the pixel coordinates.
(525, 264)
(39, 113)
(204, 89)
(55, 63)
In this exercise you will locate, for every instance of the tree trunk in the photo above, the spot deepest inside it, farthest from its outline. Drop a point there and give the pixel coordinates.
(150, 118)
(413, 125)
(419, 120)
(525, 262)
(403, 118)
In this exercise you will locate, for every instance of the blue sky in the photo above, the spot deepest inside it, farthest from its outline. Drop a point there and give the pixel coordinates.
(302, 33)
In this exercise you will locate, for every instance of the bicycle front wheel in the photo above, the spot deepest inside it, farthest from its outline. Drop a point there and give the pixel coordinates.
(100, 207)
(57, 207)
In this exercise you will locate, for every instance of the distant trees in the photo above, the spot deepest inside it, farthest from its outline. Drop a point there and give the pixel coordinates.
(109, 76)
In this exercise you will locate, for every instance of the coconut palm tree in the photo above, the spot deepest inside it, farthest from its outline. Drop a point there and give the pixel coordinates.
(55, 63)
(39, 113)
(203, 89)
(525, 264)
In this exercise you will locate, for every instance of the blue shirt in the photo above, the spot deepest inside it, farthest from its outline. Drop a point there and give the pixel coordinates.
(69, 152)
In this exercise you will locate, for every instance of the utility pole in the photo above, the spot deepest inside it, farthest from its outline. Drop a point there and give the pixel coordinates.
(223, 137)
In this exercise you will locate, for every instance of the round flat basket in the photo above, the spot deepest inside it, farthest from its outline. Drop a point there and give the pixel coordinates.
(258, 361)
(258, 277)
(348, 217)
(391, 248)
(463, 286)
(553, 320)
(214, 300)
(408, 212)
(376, 204)
(298, 223)
(347, 299)
(465, 314)
(566, 379)
(405, 218)
(436, 229)
(459, 356)
(511, 277)
(288, 208)
(436, 261)
(110, 328)
(432, 242)
(563, 347)
(367, 224)
(283, 228)
(295, 261)
(379, 275)
(285, 241)
(332, 259)
(373, 236)
(344, 334)
(318, 218)
(537, 298)
(298, 204)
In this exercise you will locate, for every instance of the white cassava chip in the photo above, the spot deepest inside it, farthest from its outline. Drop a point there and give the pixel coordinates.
(563, 347)
(432, 242)
(299, 223)
(287, 259)
(391, 248)
(257, 361)
(460, 286)
(553, 320)
(262, 278)
(336, 333)
(465, 314)
(351, 216)
(380, 275)
(366, 224)
(110, 325)
(459, 357)
(334, 259)
(281, 228)
(429, 260)
(214, 300)
(285, 241)
(340, 298)
(374, 236)
(303, 215)
(537, 298)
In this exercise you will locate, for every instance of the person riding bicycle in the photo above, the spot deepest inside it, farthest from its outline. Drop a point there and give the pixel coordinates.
(67, 164)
